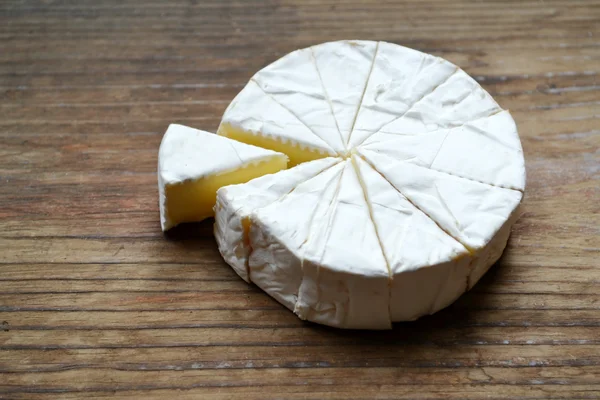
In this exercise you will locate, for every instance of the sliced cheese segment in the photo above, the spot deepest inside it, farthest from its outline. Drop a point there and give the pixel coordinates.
(416, 149)
(254, 117)
(344, 68)
(400, 78)
(470, 211)
(294, 82)
(235, 203)
(193, 164)
(487, 150)
(455, 102)
(428, 267)
(279, 232)
(346, 277)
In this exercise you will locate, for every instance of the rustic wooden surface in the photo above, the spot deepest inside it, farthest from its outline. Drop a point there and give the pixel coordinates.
(95, 302)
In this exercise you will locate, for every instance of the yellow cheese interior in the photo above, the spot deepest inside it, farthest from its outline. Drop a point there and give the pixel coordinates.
(193, 200)
(294, 152)
(246, 226)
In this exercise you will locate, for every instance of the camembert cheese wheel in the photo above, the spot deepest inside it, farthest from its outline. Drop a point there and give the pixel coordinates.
(406, 182)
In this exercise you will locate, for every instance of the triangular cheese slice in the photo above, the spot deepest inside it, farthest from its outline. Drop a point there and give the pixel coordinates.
(293, 81)
(235, 203)
(487, 150)
(344, 264)
(254, 117)
(194, 164)
(344, 68)
(470, 211)
(455, 102)
(278, 236)
(428, 267)
(394, 87)
(417, 149)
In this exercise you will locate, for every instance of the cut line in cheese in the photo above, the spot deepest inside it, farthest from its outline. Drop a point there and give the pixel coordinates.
(279, 237)
(344, 69)
(486, 150)
(419, 285)
(294, 83)
(406, 179)
(345, 272)
(472, 212)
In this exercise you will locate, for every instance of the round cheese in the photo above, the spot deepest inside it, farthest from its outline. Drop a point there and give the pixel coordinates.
(407, 182)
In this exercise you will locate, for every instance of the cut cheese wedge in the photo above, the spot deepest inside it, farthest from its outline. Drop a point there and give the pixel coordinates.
(455, 102)
(408, 180)
(280, 231)
(470, 211)
(295, 83)
(194, 164)
(400, 78)
(345, 273)
(254, 117)
(344, 68)
(428, 267)
(487, 150)
(235, 203)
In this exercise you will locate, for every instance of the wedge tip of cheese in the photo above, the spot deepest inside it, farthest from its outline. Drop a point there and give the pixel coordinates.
(194, 164)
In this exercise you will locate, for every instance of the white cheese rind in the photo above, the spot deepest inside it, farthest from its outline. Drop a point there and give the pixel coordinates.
(487, 256)
(189, 154)
(428, 267)
(344, 68)
(487, 150)
(400, 78)
(455, 102)
(235, 203)
(279, 232)
(346, 279)
(303, 261)
(257, 112)
(470, 211)
(293, 81)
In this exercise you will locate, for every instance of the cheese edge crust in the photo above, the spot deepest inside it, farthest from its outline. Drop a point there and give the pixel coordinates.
(463, 273)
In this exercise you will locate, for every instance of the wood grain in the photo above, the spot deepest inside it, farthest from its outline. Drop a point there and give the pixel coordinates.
(95, 302)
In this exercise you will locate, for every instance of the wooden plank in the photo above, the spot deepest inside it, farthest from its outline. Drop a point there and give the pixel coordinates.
(252, 298)
(367, 356)
(497, 286)
(493, 62)
(273, 317)
(105, 379)
(354, 392)
(289, 335)
(96, 302)
(168, 272)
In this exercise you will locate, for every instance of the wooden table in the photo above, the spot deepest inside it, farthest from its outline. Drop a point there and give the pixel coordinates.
(95, 302)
